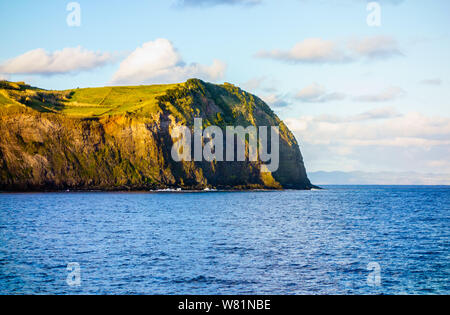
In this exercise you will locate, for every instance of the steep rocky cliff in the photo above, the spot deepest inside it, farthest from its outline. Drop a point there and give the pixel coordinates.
(118, 138)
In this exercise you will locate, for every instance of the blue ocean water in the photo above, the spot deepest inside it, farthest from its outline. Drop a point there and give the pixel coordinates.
(290, 242)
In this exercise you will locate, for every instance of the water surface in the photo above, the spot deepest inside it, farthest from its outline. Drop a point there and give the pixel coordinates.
(291, 242)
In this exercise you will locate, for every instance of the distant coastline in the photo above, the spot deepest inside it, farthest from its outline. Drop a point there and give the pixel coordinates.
(379, 178)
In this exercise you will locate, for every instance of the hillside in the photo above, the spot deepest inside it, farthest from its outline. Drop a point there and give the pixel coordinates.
(117, 138)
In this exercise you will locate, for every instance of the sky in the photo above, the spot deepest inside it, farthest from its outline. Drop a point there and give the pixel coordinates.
(363, 86)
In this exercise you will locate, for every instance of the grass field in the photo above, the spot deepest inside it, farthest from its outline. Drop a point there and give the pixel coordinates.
(84, 103)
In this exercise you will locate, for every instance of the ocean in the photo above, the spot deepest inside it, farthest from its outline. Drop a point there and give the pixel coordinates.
(341, 240)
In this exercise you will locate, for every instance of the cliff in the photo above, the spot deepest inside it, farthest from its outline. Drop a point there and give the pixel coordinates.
(117, 138)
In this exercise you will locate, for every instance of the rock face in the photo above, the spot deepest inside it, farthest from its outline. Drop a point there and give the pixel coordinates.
(118, 138)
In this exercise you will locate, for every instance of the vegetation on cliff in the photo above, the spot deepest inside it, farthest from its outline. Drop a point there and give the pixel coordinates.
(118, 138)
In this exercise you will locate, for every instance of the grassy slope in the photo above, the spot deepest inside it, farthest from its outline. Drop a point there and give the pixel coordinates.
(84, 103)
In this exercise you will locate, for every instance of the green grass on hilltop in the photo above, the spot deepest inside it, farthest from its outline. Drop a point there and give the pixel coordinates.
(114, 100)
(4, 100)
(219, 104)
(84, 103)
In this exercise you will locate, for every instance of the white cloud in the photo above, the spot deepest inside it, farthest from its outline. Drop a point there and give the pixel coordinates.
(317, 50)
(375, 114)
(435, 82)
(381, 139)
(254, 83)
(374, 128)
(275, 100)
(262, 83)
(388, 94)
(159, 62)
(378, 47)
(67, 60)
(312, 50)
(442, 164)
(316, 93)
(379, 113)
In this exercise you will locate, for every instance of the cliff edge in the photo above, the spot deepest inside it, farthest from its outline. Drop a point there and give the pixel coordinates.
(118, 138)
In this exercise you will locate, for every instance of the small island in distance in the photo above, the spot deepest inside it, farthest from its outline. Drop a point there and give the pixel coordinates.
(117, 139)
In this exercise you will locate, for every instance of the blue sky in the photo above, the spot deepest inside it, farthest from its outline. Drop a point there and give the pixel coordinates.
(357, 97)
